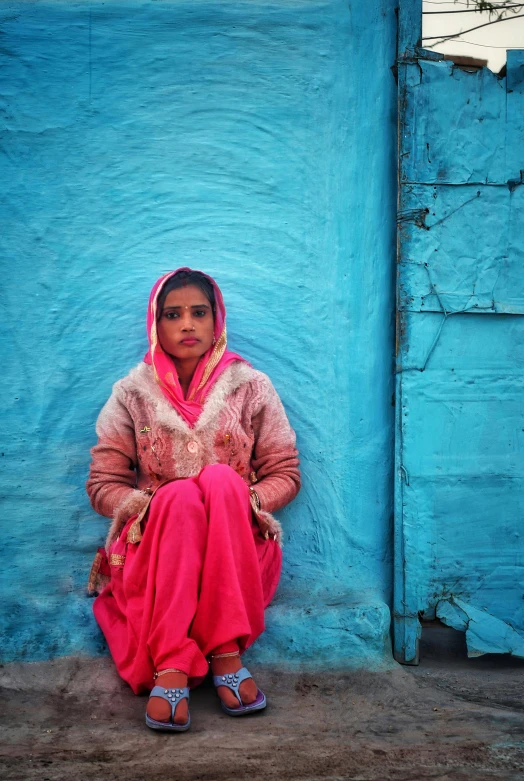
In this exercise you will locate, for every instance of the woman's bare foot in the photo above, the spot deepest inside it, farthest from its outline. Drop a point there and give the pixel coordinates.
(248, 689)
(160, 709)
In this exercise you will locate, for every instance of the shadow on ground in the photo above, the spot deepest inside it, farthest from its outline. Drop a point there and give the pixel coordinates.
(449, 719)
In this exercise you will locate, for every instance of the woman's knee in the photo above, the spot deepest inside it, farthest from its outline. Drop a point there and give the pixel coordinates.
(219, 475)
(177, 491)
(177, 509)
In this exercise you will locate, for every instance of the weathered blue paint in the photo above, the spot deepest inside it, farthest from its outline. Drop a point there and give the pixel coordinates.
(254, 140)
(460, 390)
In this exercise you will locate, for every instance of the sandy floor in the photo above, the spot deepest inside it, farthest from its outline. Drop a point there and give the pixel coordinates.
(449, 719)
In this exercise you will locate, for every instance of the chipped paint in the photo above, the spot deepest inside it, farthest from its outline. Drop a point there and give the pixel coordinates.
(485, 634)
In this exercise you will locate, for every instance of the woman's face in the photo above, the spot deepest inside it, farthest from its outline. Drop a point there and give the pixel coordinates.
(185, 328)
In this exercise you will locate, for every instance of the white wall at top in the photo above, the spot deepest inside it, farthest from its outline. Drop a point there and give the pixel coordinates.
(489, 43)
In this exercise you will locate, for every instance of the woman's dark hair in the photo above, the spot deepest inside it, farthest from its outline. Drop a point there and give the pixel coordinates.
(183, 279)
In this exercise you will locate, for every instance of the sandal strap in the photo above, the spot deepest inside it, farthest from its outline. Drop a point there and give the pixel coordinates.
(232, 681)
(173, 696)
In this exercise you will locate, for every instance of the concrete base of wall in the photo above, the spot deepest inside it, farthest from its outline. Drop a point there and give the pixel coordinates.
(339, 635)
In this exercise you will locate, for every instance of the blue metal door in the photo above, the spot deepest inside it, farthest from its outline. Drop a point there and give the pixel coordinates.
(460, 350)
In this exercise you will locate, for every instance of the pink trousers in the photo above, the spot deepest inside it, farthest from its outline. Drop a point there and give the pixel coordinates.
(199, 579)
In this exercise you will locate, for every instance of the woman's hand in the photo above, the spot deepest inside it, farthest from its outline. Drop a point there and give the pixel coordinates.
(263, 523)
(265, 527)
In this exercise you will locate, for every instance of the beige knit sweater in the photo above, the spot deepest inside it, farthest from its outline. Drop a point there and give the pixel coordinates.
(143, 441)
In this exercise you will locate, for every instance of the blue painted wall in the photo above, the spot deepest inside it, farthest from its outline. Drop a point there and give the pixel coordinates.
(460, 390)
(253, 140)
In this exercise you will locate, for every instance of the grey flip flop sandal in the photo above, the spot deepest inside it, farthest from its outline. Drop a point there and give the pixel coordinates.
(174, 697)
(232, 681)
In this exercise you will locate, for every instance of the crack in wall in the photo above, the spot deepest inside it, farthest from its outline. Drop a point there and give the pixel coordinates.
(447, 313)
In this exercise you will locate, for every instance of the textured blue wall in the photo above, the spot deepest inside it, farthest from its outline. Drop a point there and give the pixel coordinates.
(255, 141)
(460, 492)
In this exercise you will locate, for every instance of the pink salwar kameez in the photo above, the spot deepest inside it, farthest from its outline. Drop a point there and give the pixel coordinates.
(199, 579)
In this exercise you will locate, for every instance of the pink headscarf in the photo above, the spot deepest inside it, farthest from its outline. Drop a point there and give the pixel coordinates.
(209, 368)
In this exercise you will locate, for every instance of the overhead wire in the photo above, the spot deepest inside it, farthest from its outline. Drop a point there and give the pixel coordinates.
(443, 37)
(483, 45)
(467, 4)
(474, 10)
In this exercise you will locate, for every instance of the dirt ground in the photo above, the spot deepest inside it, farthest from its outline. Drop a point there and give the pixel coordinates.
(448, 719)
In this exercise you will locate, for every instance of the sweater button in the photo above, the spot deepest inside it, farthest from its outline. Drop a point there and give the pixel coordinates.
(192, 446)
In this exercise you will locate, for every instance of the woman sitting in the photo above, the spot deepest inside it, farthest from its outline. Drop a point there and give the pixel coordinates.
(194, 453)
